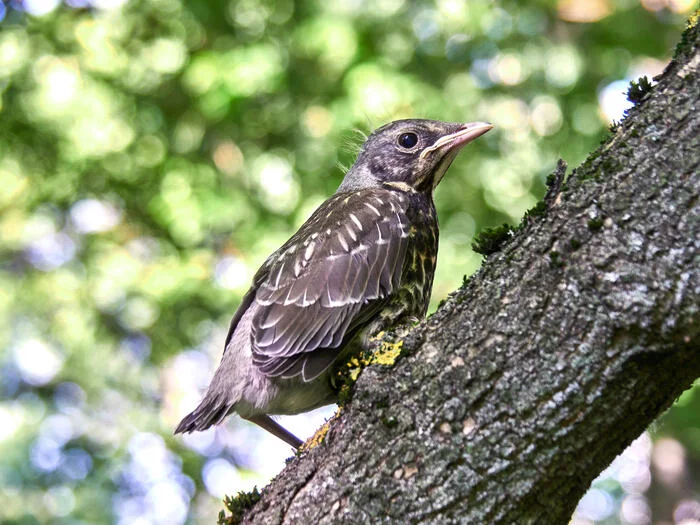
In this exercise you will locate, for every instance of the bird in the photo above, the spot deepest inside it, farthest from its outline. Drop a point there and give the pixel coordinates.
(363, 261)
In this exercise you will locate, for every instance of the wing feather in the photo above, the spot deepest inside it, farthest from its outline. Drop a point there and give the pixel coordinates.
(324, 284)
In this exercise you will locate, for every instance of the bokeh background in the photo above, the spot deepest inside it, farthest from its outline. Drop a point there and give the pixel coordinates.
(154, 152)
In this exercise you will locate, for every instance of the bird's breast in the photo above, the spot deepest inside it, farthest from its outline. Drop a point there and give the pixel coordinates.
(413, 295)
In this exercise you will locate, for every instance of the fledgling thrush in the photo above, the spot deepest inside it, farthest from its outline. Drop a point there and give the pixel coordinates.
(363, 261)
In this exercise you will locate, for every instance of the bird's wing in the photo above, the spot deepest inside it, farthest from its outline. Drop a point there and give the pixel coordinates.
(327, 281)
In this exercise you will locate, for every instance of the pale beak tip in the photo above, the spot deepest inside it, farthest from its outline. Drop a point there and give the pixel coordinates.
(486, 126)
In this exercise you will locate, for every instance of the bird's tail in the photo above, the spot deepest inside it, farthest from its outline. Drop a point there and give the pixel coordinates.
(210, 411)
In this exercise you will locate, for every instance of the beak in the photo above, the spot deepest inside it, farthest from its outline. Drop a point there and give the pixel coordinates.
(454, 141)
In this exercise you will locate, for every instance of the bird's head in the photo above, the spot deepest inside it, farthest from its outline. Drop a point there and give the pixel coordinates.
(410, 155)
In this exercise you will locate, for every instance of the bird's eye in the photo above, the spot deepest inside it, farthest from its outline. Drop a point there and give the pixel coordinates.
(408, 140)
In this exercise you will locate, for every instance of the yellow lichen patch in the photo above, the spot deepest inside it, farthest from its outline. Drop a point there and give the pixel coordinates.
(320, 434)
(387, 353)
(354, 373)
(352, 368)
(693, 19)
(378, 337)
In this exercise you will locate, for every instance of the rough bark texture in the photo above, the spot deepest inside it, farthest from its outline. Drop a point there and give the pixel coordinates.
(561, 350)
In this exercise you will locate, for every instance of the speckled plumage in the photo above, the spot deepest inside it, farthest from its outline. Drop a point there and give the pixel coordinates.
(364, 260)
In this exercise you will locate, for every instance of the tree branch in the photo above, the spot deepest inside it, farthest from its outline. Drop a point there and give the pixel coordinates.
(560, 351)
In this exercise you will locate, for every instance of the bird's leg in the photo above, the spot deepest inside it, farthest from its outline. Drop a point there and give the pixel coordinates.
(277, 430)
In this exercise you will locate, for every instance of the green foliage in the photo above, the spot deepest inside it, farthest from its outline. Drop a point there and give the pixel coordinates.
(238, 506)
(491, 239)
(152, 154)
(638, 90)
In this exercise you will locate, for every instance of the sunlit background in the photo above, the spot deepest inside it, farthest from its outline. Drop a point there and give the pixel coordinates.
(154, 152)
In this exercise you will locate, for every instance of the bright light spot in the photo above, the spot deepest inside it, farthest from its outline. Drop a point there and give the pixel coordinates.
(596, 505)
(680, 6)
(564, 66)
(139, 313)
(38, 363)
(613, 100)
(228, 157)
(668, 458)
(221, 477)
(635, 511)
(51, 251)
(13, 52)
(92, 136)
(96, 35)
(204, 443)
(39, 7)
(252, 16)
(153, 489)
(545, 117)
(425, 24)
(107, 4)
(57, 429)
(231, 273)
(45, 455)
(60, 82)
(583, 12)
(10, 420)
(452, 8)
(252, 70)
(167, 503)
(167, 55)
(194, 368)
(346, 6)
(185, 377)
(280, 192)
(506, 69)
(93, 216)
(149, 456)
(201, 74)
(332, 40)
(60, 501)
(508, 113)
(318, 121)
(633, 474)
(14, 183)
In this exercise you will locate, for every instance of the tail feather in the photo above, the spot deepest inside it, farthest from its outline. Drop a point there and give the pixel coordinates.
(211, 411)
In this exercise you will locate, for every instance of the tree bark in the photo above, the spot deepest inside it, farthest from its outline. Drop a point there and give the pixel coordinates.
(562, 348)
